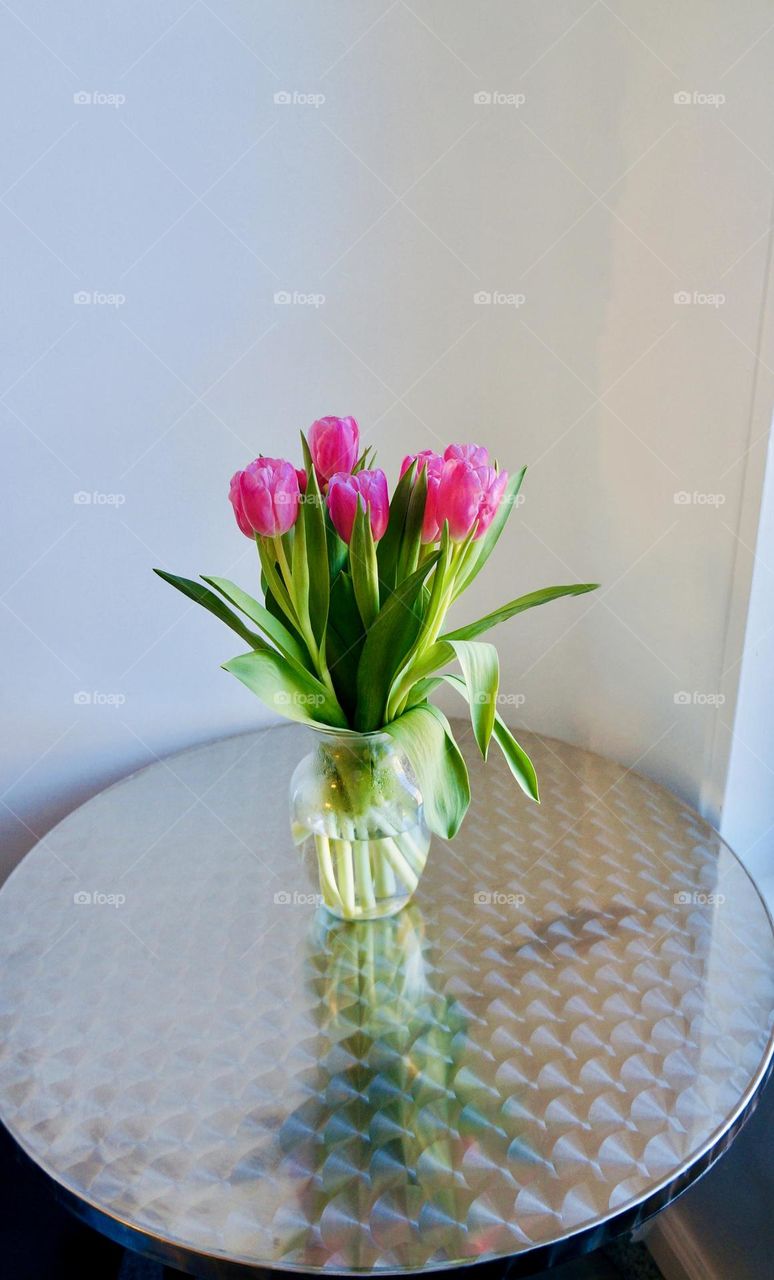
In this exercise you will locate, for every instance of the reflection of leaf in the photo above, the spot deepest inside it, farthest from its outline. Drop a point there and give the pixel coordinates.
(386, 1090)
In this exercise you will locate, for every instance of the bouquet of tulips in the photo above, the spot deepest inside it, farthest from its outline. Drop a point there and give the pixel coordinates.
(350, 635)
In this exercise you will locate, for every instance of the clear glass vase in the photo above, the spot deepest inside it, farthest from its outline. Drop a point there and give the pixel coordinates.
(355, 797)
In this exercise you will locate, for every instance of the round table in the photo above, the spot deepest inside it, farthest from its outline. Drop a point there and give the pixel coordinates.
(564, 1029)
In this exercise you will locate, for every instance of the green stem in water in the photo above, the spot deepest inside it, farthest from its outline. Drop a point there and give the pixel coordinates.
(363, 878)
(331, 896)
(346, 878)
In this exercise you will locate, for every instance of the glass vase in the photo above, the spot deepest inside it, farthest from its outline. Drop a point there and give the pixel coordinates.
(356, 799)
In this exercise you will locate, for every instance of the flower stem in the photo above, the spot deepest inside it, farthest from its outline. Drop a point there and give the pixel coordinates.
(331, 895)
(346, 878)
(363, 877)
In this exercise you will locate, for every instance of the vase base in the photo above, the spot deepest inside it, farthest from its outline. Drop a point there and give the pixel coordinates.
(380, 911)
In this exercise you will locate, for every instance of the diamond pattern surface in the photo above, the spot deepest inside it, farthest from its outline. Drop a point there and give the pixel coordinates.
(575, 1007)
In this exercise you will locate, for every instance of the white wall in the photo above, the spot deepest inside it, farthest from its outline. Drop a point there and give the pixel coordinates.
(748, 809)
(398, 198)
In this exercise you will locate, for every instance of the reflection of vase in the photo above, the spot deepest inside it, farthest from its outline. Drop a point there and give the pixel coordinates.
(379, 1134)
(357, 797)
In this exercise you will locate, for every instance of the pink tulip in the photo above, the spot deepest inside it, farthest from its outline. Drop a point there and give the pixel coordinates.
(433, 464)
(235, 498)
(334, 444)
(468, 497)
(369, 488)
(265, 497)
(475, 454)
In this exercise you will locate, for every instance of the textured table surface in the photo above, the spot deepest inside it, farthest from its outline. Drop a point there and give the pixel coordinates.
(569, 1021)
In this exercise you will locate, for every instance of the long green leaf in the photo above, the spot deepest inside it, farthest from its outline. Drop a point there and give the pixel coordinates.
(203, 596)
(272, 575)
(345, 639)
(516, 757)
(403, 677)
(312, 512)
(270, 624)
(481, 673)
(286, 689)
(387, 643)
(529, 601)
(410, 543)
(441, 652)
(363, 567)
(337, 550)
(295, 550)
(389, 545)
(442, 775)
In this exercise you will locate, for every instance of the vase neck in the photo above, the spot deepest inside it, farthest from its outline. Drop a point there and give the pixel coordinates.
(376, 740)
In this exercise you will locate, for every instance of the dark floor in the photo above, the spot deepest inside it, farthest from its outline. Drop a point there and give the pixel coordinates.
(39, 1240)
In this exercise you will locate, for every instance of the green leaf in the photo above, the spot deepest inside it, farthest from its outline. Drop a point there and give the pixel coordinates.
(439, 654)
(518, 761)
(481, 672)
(312, 512)
(485, 546)
(203, 596)
(273, 627)
(295, 550)
(530, 601)
(316, 544)
(274, 580)
(337, 550)
(345, 639)
(363, 567)
(410, 543)
(387, 643)
(389, 545)
(404, 675)
(516, 757)
(286, 689)
(366, 458)
(345, 615)
(425, 735)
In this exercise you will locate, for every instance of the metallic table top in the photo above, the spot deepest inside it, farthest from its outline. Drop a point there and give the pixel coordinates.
(567, 1025)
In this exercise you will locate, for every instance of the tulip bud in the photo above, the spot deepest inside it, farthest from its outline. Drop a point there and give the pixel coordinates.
(432, 463)
(265, 497)
(369, 488)
(475, 454)
(468, 497)
(334, 444)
